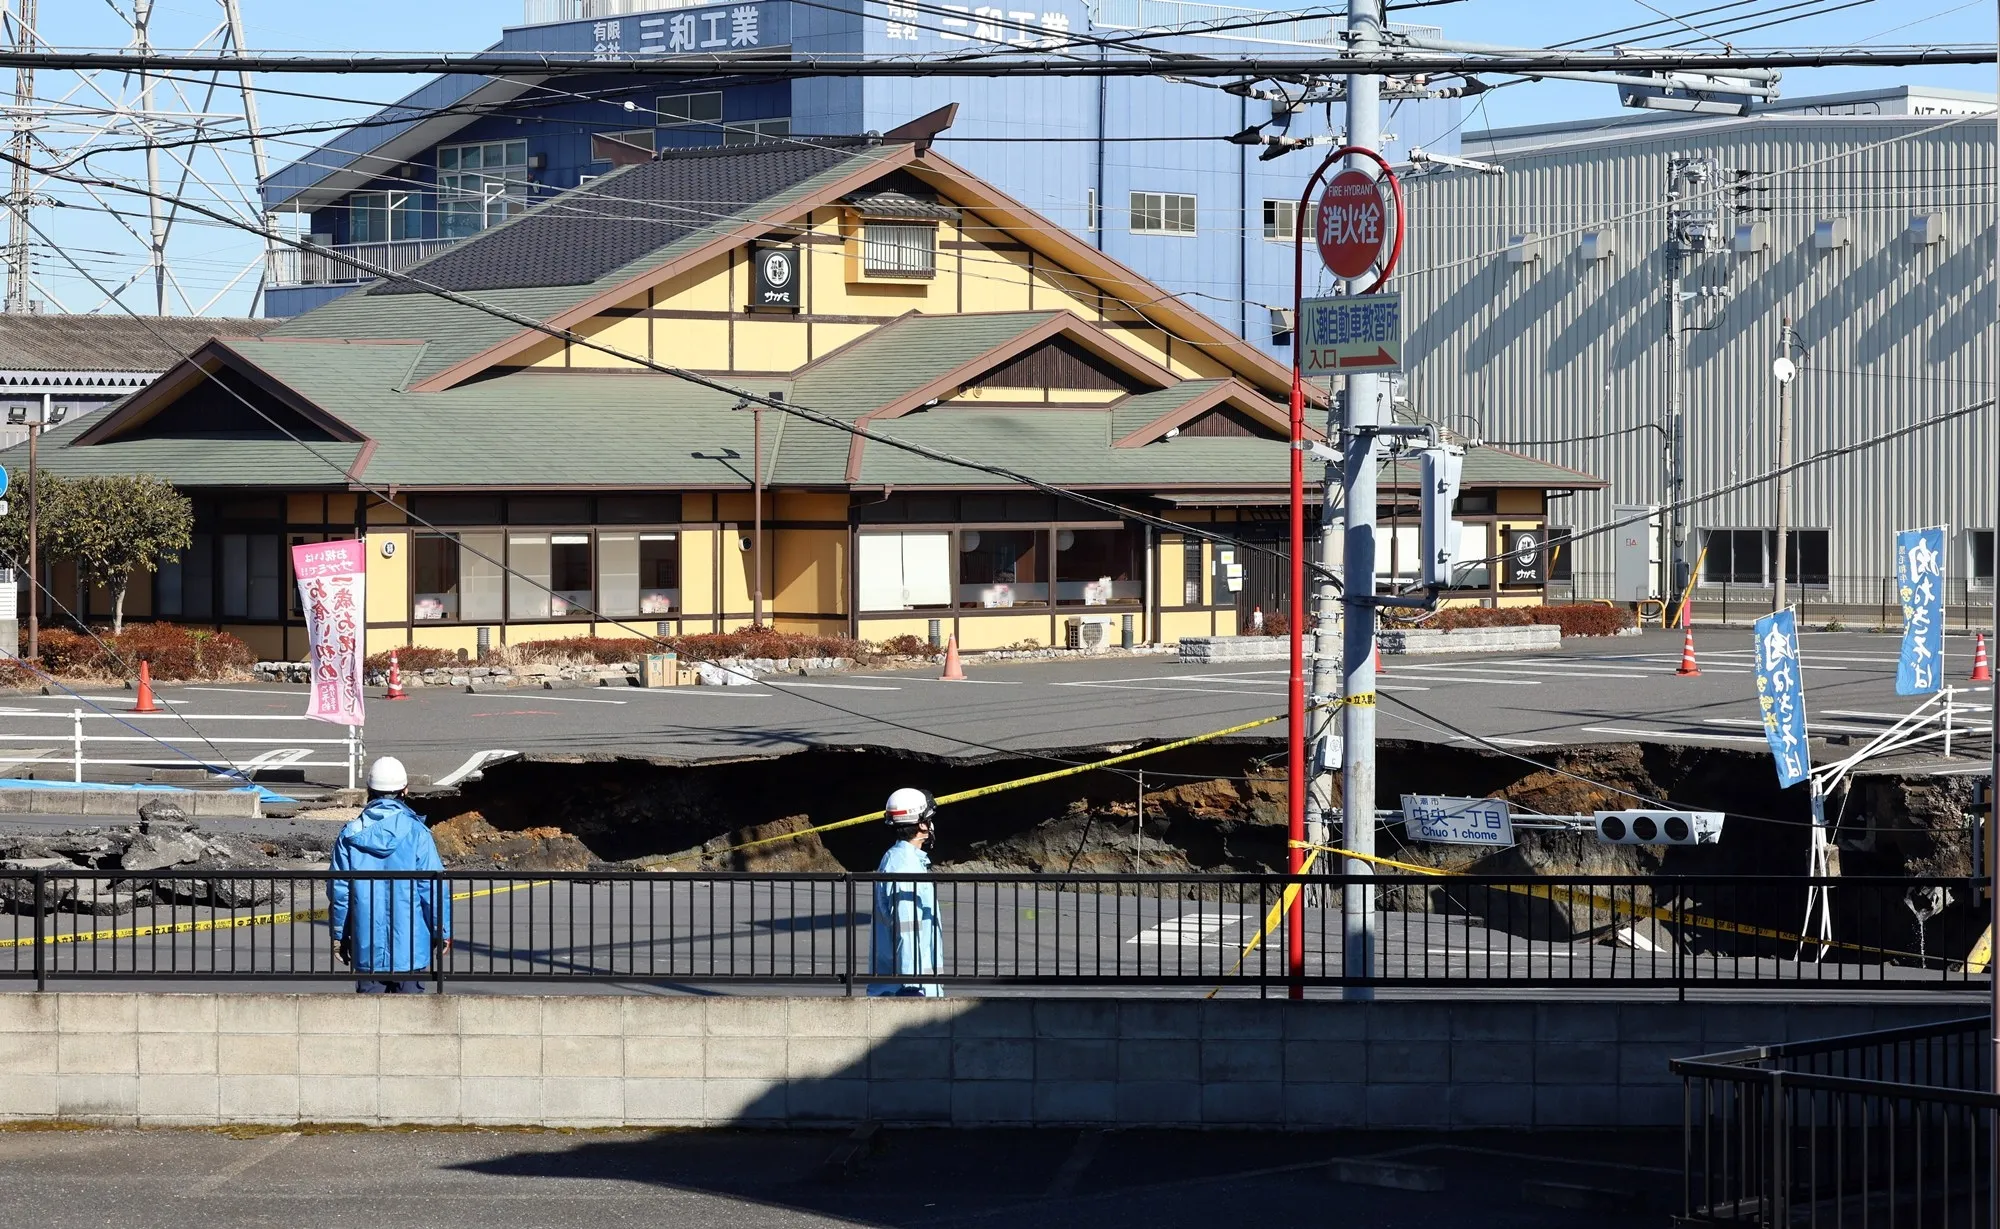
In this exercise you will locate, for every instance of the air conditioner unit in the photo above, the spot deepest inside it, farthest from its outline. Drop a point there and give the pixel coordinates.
(1087, 635)
(1646, 827)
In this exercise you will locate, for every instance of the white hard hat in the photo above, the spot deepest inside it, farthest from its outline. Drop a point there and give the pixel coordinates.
(908, 807)
(388, 776)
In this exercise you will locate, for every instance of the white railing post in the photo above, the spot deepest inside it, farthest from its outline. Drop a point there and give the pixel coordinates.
(353, 755)
(1947, 721)
(76, 737)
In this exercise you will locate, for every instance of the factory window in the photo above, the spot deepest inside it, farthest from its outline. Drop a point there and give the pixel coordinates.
(1162, 213)
(676, 110)
(641, 137)
(757, 131)
(480, 185)
(1281, 220)
(898, 249)
(1979, 557)
(378, 217)
(1747, 556)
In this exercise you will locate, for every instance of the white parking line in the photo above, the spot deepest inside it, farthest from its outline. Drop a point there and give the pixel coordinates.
(1403, 672)
(1550, 671)
(575, 699)
(1632, 733)
(1817, 727)
(1186, 691)
(828, 686)
(252, 691)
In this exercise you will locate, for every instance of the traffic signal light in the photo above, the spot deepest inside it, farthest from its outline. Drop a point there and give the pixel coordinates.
(1645, 827)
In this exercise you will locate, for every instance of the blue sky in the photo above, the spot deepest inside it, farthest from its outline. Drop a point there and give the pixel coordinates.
(209, 258)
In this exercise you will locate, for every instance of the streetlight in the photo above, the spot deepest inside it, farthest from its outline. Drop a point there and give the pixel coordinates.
(1785, 369)
(37, 419)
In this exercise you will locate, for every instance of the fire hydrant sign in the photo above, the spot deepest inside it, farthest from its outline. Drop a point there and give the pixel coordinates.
(1351, 223)
(1349, 333)
(331, 579)
(1458, 821)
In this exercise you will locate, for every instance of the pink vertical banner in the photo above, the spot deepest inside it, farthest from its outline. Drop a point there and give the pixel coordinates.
(331, 578)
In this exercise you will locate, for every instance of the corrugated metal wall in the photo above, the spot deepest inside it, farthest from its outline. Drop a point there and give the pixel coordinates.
(1566, 347)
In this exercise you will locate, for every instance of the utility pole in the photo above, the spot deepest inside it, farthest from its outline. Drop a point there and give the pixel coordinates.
(1693, 227)
(1786, 371)
(19, 184)
(757, 513)
(34, 531)
(1993, 815)
(1357, 660)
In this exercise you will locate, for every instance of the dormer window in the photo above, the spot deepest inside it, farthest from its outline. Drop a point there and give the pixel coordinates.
(898, 249)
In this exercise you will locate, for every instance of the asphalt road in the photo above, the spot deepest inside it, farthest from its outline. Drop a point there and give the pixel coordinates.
(1589, 691)
(487, 1179)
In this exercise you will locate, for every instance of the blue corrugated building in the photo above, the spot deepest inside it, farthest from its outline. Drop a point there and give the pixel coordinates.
(1205, 218)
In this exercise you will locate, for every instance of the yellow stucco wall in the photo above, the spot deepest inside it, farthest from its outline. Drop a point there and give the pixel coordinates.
(808, 506)
(265, 640)
(627, 334)
(692, 343)
(809, 571)
(1177, 623)
(340, 509)
(385, 514)
(388, 579)
(521, 633)
(453, 638)
(878, 630)
(1000, 631)
(698, 572)
(1514, 503)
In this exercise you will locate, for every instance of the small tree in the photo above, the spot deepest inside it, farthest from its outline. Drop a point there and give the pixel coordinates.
(110, 526)
(14, 525)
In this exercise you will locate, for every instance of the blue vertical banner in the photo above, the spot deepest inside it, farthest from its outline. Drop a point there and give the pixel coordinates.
(1781, 695)
(1920, 583)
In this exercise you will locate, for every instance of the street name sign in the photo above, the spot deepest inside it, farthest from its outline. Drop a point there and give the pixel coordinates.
(1458, 821)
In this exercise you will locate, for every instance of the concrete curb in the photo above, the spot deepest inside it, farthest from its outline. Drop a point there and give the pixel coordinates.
(125, 803)
(1418, 641)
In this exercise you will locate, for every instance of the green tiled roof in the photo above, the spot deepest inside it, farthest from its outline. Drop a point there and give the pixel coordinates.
(1135, 412)
(455, 332)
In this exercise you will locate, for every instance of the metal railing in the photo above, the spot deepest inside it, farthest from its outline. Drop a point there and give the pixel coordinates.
(1860, 602)
(284, 266)
(1002, 930)
(1888, 1128)
(172, 745)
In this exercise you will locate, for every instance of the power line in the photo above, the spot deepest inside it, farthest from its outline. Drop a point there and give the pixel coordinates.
(486, 64)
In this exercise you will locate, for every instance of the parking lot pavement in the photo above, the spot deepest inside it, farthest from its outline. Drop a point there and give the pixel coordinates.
(1591, 690)
(910, 1179)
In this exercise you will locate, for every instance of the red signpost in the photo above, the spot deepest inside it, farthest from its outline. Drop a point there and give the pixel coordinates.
(1350, 232)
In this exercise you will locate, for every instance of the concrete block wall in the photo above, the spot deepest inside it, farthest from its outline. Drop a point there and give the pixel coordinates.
(207, 1059)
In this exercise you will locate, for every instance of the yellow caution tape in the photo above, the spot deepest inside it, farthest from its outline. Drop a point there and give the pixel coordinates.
(1271, 919)
(986, 790)
(230, 923)
(1614, 906)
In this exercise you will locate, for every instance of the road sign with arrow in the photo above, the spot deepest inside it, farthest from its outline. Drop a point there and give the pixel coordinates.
(1350, 333)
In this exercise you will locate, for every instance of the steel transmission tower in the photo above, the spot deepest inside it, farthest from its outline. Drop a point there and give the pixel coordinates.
(180, 133)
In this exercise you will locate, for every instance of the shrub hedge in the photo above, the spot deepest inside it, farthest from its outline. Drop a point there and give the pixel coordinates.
(175, 652)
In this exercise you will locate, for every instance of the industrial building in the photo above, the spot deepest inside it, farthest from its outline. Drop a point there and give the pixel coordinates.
(1211, 221)
(1539, 312)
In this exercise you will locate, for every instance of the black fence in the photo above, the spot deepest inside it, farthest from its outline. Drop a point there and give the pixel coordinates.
(1890, 1128)
(803, 930)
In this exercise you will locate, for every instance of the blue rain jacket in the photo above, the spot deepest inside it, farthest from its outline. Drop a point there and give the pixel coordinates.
(388, 923)
(908, 937)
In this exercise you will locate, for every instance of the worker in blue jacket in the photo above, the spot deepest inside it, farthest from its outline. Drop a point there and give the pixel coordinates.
(908, 937)
(387, 928)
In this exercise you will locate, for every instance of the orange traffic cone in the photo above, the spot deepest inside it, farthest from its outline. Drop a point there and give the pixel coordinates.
(146, 704)
(1688, 669)
(1982, 672)
(395, 691)
(953, 671)
(1379, 669)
